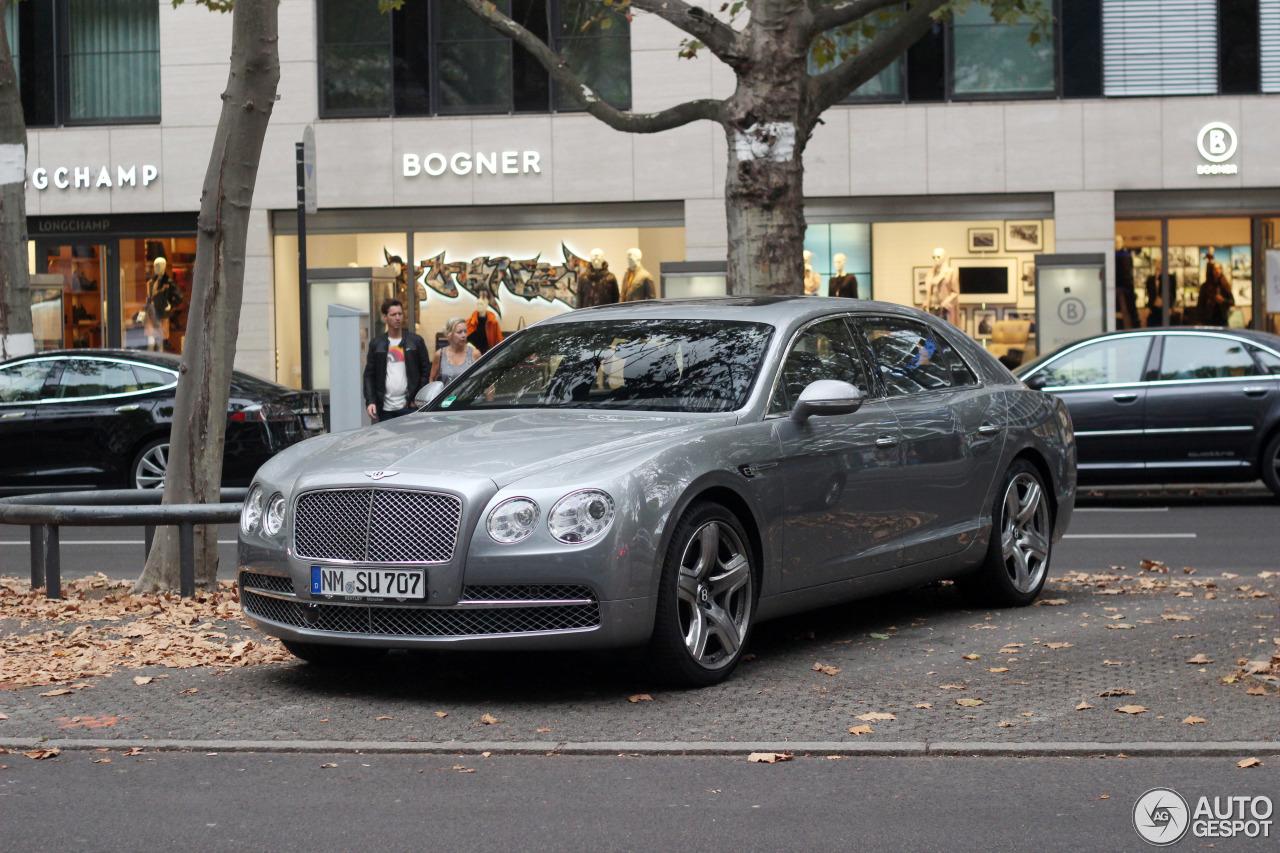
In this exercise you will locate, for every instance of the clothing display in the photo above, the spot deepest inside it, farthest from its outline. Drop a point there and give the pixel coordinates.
(944, 295)
(845, 286)
(597, 287)
(812, 282)
(638, 284)
(483, 332)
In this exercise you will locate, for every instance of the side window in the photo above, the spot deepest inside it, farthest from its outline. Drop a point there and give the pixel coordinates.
(21, 383)
(150, 377)
(1270, 361)
(84, 377)
(907, 355)
(825, 350)
(961, 375)
(1106, 362)
(1204, 357)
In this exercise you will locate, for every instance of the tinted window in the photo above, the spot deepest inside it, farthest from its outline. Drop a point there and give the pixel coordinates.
(825, 350)
(150, 377)
(1270, 361)
(1204, 357)
(82, 377)
(1101, 363)
(654, 365)
(907, 355)
(960, 372)
(21, 383)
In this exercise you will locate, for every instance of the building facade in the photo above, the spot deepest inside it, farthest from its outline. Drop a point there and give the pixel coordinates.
(1141, 134)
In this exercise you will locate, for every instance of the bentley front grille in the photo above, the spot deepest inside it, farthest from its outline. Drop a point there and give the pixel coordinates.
(376, 526)
(271, 583)
(389, 621)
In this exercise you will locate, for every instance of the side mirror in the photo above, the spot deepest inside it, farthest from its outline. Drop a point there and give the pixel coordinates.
(826, 397)
(1037, 382)
(428, 393)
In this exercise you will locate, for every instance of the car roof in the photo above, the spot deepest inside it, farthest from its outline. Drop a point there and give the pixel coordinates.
(774, 310)
(160, 359)
(1265, 339)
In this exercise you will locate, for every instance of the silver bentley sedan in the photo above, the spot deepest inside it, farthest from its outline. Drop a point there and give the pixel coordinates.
(664, 475)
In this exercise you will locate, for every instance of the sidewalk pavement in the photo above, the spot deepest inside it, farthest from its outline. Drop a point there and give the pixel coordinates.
(1138, 660)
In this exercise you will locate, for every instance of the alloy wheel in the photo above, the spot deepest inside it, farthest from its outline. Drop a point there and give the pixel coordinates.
(714, 595)
(152, 466)
(1024, 535)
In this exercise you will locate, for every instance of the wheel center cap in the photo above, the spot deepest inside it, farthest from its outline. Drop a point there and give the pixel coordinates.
(704, 596)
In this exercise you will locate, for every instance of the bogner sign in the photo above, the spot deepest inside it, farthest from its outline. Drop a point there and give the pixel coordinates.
(1217, 143)
(462, 163)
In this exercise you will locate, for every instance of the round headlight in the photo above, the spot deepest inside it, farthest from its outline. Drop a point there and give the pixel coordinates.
(512, 520)
(251, 512)
(581, 516)
(274, 519)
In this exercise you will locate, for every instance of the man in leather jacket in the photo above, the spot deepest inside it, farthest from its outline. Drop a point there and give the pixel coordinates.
(398, 365)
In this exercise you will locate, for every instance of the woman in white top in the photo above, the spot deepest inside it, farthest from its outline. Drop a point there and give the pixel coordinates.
(449, 362)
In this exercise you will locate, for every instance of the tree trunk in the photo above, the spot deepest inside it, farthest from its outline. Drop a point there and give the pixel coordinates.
(767, 125)
(15, 297)
(200, 411)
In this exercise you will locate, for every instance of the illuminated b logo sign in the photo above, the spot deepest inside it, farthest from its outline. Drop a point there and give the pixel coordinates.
(1217, 142)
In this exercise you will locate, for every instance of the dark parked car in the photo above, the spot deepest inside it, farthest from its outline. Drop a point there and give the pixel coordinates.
(74, 419)
(664, 473)
(1170, 405)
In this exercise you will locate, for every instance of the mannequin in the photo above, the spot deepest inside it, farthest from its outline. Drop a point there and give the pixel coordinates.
(842, 283)
(812, 281)
(943, 298)
(637, 282)
(1126, 297)
(483, 331)
(162, 300)
(598, 286)
(1216, 299)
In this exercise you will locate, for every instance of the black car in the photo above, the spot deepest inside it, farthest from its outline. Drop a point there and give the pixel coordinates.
(1178, 405)
(74, 419)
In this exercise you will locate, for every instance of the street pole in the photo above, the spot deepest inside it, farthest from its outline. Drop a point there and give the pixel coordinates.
(304, 295)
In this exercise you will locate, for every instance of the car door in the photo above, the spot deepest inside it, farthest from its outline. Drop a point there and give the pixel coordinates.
(1206, 406)
(839, 516)
(95, 417)
(952, 433)
(21, 450)
(1102, 381)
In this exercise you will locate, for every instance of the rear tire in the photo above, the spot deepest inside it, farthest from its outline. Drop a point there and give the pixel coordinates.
(706, 599)
(1270, 464)
(338, 657)
(1017, 562)
(150, 465)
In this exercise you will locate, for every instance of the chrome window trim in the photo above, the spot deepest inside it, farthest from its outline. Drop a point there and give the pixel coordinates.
(782, 362)
(1090, 342)
(1097, 433)
(111, 359)
(981, 383)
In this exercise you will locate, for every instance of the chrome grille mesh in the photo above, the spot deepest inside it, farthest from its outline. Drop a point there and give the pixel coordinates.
(422, 621)
(527, 592)
(377, 525)
(272, 583)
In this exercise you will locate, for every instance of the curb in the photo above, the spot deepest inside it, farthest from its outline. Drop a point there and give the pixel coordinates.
(914, 749)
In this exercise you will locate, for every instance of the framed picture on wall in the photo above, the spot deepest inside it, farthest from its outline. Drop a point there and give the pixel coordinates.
(1027, 314)
(984, 239)
(984, 320)
(1029, 277)
(964, 320)
(1024, 235)
(920, 282)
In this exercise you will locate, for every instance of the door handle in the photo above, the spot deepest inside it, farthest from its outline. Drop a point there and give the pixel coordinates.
(10, 415)
(988, 429)
(1124, 398)
(128, 407)
(1254, 391)
(886, 441)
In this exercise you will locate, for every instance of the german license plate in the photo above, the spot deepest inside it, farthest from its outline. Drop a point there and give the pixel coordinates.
(313, 421)
(369, 582)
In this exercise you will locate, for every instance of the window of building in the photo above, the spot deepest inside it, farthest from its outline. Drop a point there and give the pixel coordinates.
(437, 58)
(87, 61)
(1160, 47)
(998, 59)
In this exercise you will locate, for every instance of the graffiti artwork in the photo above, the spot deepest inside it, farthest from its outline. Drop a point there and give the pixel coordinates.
(532, 278)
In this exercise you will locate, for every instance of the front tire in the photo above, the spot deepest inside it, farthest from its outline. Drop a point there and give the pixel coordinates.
(706, 599)
(1017, 562)
(344, 657)
(1271, 464)
(150, 465)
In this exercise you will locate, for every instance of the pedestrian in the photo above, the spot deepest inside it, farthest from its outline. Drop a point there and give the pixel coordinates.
(396, 368)
(450, 361)
(1216, 299)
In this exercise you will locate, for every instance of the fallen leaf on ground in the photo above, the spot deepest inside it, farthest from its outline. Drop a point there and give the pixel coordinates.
(544, 730)
(384, 718)
(872, 716)
(488, 719)
(189, 690)
(461, 769)
(1117, 691)
(951, 687)
(1175, 617)
(143, 679)
(1119, 627)
(1058, 645)
(102, 761)
(861, 730)
(485, 754)
(1005, 724)
(323, 766)
(61, 691)
(41, 754)
(1131, 709)
(1112, 663)
(924, 705)
(640, 697)
(133, 750)
(1257, 691)
(826, 670)
(1052, 602)
(442, 713)
(880, 636)
(998, 669)
(1191, 721)
(768, 757)
(969, 703)
(1248, 762)
(1200, 659)
(971, 657)
(1083, 706)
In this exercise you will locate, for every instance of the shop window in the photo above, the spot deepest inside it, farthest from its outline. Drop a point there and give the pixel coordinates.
(155, 292)
(87, 61)
(827, 245)
(437, 58)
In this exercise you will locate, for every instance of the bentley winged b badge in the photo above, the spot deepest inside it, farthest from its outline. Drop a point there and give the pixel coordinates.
(380, 475)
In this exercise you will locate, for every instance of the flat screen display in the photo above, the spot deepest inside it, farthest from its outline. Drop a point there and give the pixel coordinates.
(984, 280)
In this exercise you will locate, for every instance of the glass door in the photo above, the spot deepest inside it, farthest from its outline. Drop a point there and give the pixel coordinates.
(1269, 309)
(82, 268)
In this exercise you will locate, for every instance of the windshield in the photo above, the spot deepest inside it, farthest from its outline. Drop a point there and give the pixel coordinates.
(648, 365)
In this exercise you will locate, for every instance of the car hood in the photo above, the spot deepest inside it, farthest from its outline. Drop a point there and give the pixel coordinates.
(503, 445)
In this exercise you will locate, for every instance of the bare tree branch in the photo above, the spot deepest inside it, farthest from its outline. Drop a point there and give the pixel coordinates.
(676, 116)
(830, 88)
(720, 38)
(826, 17)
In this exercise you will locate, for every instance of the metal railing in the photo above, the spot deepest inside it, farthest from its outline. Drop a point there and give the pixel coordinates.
(45, 514)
